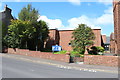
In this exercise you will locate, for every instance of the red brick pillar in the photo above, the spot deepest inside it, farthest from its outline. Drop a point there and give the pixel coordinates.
(86, 52)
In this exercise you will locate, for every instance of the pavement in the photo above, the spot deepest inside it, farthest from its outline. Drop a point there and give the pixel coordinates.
(76, 66)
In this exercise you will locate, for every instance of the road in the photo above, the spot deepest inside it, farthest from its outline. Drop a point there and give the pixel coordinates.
(16, 68)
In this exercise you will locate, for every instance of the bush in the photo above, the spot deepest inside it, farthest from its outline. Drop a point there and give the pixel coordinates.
(100, 49)
(60, 52)
(76, 54)
(96, 50)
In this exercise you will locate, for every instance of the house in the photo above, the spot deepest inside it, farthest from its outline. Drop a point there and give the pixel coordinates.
(5, 18)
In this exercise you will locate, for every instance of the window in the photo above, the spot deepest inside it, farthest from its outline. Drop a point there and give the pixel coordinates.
(69, 44)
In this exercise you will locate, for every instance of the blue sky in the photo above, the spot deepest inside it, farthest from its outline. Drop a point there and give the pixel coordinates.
(67, 15)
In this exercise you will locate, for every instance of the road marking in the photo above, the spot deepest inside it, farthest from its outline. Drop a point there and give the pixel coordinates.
(61, 66)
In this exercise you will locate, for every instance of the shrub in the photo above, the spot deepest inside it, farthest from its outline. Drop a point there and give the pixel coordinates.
(95, 50)
(60, 52)
(76, 54)
(100, 49)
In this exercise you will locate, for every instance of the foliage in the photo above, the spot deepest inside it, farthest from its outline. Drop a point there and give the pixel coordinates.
(18, 33)
(60, 52)
(28, 14)
(95, 50)
(31, 14)
(100, 49)
(76, 54)
(40, 35)
(42, 30)
(82, 36)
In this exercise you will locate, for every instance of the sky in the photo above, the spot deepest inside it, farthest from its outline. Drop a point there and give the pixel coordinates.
(67, 15)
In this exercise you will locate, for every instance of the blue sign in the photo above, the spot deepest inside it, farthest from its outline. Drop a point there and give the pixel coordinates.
(56, 48)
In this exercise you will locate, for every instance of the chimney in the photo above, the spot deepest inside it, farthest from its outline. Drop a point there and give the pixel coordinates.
(7, 9)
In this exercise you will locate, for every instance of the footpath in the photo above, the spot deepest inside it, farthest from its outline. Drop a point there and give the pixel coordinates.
(77, 66)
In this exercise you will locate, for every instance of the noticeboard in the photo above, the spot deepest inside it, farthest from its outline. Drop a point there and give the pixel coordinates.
(56, 48)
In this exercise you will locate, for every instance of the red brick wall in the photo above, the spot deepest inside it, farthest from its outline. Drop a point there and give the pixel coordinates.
(65, 38)
(112, 46)
(45, 55)
(97, 41)
(104, 38)
(116, 10)
(112, 43)
(78, 59)
(53, 38)
(118, 39)
(101, 60)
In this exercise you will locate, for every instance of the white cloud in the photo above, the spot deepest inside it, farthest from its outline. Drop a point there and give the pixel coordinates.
(109, 10)
(105, 19)
(106, 2)
(75, 2)
(82, 20)
(52, 23)
(78, 2)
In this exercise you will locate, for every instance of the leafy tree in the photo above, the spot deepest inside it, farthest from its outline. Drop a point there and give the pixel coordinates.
(18, 33)
(82, 37)
(41, 34)
(28, 14)
(31, 14)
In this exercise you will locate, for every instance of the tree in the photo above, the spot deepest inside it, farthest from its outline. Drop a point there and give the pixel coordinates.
(82, 37)
(28, 14)
(42, 31)
(19, 32)
(31, 14)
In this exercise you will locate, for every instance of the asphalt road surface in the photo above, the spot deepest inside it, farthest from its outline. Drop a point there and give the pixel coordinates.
(15, 68)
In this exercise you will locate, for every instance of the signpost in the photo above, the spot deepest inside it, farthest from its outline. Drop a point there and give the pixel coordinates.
(56, 48)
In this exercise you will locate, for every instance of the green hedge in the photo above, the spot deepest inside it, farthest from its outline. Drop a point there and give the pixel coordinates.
(60, 52)
(76, 54)
(96, 50)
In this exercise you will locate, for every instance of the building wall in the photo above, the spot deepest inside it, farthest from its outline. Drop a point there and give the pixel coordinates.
(53, 38)
(116, 10)
(5, 18)
(112, 43)
(97, 41)
(65, 36)
(104, 38)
